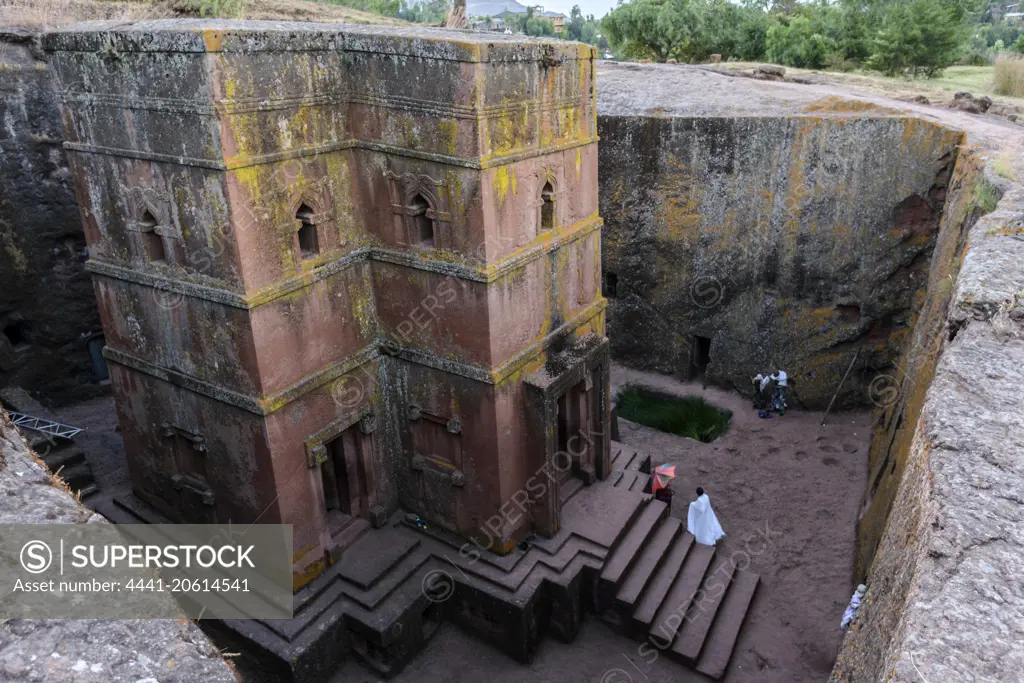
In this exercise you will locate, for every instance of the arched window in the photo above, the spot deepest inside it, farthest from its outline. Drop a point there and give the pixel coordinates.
(309, 245)
(151, 239)
(547, 207)
(422, 223)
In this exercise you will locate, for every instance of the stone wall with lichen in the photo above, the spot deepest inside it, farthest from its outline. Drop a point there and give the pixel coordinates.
(899, 390)
(797, 242)
(47, 308)
(944, 600)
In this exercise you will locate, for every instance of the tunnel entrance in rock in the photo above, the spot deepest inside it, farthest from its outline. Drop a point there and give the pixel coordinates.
(17, 333)
(700, 357)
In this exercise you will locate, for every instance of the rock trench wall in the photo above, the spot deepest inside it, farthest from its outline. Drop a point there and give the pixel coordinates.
(943, 516)
(802, 242)
(797, 242)
(48, 311)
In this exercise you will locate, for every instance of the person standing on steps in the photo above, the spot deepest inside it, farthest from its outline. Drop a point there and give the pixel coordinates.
(701, 520)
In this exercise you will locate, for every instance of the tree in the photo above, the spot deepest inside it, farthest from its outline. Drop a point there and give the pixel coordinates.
(686, 30)
(633, 29)
(581, 28)
(918, 37)
(753, 36)
(424, 11)
(801, 42)
(531, 25)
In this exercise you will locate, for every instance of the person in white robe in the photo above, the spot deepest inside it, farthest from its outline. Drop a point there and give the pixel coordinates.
(701, 520)
(851, 609)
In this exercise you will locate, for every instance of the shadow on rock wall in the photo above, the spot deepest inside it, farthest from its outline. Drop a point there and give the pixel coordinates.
(49, 323)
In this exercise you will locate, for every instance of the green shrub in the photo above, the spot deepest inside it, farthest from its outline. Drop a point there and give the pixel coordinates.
(836, 61)
(975, 57)
(688, 416)
(986, 197)
(799, 44)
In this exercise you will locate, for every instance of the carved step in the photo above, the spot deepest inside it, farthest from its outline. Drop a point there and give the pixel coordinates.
(63, 457)
(671, 615)
(627, 552)
(569, 488)
(77, 477)
(725, 631)
(654, 552)
(701, 614)
(658, 588)
(631, 480)
(368, 560)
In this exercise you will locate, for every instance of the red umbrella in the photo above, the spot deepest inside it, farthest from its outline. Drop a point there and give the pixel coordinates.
(662, 475)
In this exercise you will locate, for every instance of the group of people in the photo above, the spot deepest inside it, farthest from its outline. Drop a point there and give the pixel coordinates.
(770, 393)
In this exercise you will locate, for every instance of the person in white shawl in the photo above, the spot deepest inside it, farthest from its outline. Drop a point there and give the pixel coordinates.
(701, 520)
(851, 609)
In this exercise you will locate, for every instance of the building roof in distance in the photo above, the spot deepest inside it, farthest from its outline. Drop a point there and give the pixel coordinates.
(493, 8)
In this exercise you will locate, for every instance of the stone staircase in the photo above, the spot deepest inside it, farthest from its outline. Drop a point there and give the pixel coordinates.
(618, 554)
(661, 586)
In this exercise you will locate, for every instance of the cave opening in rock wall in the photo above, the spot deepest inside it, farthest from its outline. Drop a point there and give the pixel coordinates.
(700, 357)
(17, 333)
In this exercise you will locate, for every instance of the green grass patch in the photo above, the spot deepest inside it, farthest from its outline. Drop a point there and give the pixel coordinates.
(688, 416)
(986, 197)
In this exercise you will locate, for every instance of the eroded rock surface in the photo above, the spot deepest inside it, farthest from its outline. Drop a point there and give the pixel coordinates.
(47, 307)
(944, 601)
(87, 651)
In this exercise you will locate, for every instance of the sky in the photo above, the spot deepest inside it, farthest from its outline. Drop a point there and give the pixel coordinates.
(596, 7)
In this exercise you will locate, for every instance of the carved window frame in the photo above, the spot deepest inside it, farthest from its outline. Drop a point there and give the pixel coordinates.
(547, 178)
(451, 465)
(187, 480)
(404, 189)
(318, 218)
(163, 229)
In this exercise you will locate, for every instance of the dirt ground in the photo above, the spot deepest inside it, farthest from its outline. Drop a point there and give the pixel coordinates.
(787, 478)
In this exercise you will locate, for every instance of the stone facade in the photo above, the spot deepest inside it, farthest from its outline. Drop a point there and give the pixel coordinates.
(342, 270)
(50, 334)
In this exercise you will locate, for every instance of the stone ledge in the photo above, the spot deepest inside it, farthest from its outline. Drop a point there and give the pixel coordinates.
(222, 35)
(991, 279)
(963, 615)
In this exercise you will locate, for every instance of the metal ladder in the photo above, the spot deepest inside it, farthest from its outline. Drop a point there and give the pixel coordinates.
(45, 426)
